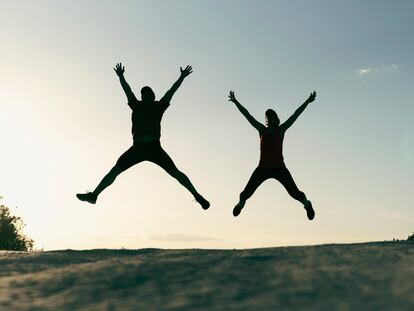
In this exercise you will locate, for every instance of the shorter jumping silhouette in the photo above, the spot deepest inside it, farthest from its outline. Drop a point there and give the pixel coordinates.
(146, 130)
(271, 164)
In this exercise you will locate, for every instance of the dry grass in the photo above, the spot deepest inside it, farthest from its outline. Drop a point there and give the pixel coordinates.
(370, 276)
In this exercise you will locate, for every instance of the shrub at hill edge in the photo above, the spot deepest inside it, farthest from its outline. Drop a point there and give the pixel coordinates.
(11, 232)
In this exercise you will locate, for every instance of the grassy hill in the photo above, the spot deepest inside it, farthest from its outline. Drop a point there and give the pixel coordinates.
(368, 276)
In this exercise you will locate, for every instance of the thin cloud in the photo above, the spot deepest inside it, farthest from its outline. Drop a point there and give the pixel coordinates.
(392, 67)
(369, 70)
(363, 71)
(178, 237)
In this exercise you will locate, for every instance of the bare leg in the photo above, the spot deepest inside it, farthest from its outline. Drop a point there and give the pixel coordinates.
(183, 180)
(162, 159)
(129, 158)
(186, 182)
(107, 180)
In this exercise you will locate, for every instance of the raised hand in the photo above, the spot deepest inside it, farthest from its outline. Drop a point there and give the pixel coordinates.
(119, 69)
(232, 98)
(311, 97)
(186, 71)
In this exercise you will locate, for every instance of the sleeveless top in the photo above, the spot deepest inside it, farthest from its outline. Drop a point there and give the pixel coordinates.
(271, 148)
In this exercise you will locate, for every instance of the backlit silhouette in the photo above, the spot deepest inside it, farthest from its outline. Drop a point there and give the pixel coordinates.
(146, 131)
(271, 164)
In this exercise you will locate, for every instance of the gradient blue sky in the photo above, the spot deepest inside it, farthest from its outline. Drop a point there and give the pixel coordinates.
(64, 119)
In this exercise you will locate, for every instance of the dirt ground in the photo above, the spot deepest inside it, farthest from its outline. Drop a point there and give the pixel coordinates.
(368, 276)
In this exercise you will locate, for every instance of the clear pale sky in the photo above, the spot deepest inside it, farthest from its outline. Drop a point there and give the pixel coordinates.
(64, 119)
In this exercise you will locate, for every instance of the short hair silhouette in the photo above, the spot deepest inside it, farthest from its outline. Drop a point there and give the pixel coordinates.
(147, 94)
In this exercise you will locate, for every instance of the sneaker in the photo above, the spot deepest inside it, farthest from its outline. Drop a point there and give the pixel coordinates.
(203, 202)
(237, 209)
(87, 197)
(309, 210)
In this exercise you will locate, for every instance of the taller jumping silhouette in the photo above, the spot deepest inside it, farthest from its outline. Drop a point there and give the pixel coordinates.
(146, 131)
(271, 164)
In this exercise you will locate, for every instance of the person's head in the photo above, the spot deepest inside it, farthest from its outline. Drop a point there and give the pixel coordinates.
(147, 94)
(271, 118)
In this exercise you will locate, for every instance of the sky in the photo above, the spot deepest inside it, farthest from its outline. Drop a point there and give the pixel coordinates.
(64, 120)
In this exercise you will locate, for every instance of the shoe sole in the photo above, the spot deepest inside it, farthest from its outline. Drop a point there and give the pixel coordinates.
(85, 200)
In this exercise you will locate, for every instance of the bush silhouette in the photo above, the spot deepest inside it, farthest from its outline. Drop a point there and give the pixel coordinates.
(11, 232)
(411, 237)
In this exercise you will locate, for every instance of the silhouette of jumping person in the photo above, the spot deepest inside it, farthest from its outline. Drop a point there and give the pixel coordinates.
(271, 164)
(146, 131)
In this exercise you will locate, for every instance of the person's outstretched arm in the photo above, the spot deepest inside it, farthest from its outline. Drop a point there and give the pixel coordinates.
(288, 123)
(184, 73)
(256, 124)
(119, 69)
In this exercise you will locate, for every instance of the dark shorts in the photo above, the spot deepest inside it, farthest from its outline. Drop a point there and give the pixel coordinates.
(151, 151)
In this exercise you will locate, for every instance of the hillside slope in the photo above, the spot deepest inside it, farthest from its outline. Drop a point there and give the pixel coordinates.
(369, 276)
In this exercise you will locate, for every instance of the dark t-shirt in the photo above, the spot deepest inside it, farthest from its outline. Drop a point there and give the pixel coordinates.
(146, 117)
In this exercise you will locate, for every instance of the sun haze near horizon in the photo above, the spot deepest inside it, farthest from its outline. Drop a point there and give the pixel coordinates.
(64, 120)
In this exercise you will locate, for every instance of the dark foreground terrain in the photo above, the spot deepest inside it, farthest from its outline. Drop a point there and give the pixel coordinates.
(369, 276)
